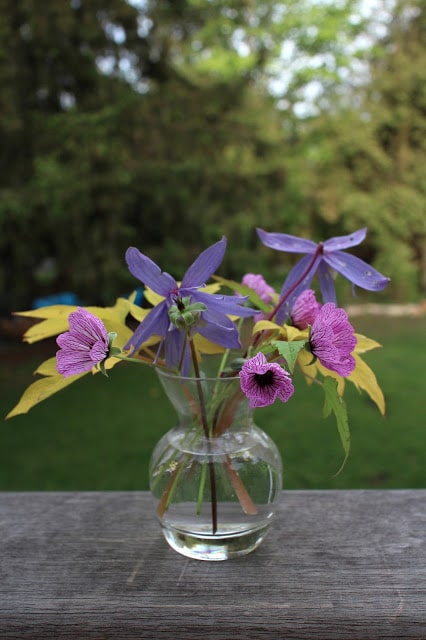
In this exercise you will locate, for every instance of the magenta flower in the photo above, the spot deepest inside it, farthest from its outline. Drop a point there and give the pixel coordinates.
(258, 283)
(85, 345)
(305, 309)
(332, 340)
(323, 258)
(263, 382)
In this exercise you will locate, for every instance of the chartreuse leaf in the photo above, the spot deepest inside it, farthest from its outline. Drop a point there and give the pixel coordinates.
(54, 319)
(334, 403)
(289, 351)
(364, 378)
(206, 346)
(40, 390)
(47, 368)
(365, 344)
(286, 331)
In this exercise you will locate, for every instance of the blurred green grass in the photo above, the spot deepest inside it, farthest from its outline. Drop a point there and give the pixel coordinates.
(99, 433)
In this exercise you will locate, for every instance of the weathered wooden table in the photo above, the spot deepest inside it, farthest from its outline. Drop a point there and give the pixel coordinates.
(336, 564)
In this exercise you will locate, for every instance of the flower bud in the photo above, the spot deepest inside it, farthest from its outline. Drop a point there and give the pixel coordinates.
(184, 315)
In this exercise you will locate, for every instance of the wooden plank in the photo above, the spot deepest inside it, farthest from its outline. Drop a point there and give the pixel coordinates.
(336, 565)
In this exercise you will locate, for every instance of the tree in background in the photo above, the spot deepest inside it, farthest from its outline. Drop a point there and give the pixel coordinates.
(367, 162)
(61, 153)
(155, 123)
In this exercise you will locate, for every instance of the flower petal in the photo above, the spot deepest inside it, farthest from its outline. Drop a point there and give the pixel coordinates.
(71, 363)
(156, 323)
(205, 265)
(263, 382)
(286, 242)
(145, 270)
(357, 271)
(219, 329)
(305, 309)
(344, 242)
(173, 347)
(295, 274)
(333, 339)
(88, 327)
(229, 305)
(326, 283)
(227, 338)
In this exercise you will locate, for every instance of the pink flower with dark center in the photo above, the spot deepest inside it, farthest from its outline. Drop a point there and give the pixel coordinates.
(258, 283)
(332, 339)
(83, 346)
(263, 382)
(305, 309)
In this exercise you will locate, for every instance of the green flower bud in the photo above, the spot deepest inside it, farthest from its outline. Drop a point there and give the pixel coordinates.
(184, 315)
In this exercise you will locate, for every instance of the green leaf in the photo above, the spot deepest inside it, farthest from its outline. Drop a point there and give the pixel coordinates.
(335, 403)
(289, 351)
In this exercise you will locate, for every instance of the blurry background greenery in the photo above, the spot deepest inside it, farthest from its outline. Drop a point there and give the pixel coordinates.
(165, 124)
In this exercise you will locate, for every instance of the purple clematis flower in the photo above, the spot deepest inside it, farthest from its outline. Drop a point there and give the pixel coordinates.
(83, 346)
(305, 309)
(332, 340)
(213, 323)
(263, 382)
(322, 257)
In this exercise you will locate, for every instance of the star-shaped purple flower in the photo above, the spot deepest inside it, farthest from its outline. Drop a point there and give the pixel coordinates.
(322, 258)
(214, 323)
(332, 339)
(83, 346)
(263, 382)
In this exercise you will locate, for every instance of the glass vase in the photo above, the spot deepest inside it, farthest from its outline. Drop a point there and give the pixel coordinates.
(215, 476)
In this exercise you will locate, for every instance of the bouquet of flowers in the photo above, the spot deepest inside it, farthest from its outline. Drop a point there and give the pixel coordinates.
(189, 319)
(256, 337)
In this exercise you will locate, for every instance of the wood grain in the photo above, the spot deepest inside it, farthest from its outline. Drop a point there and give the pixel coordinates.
(336, 565)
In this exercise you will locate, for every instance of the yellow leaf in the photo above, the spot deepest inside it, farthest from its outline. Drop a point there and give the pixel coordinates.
(52, 311)
(287, 331)
(332, 374)
(152, 297)
(46, 329)
(206, 346)
(211, 288)
(40, 390)
(364, 378)
(47, 368)
(365, 344)
(307, 367)
(293, 333)
(267, 325)
(311, 369)
(54, 319)
(137, 312)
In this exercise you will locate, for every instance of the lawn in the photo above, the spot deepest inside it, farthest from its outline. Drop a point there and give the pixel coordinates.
(98, 434)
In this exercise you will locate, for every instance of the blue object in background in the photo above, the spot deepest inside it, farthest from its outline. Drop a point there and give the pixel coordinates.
(139, 296)
(65, 297)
